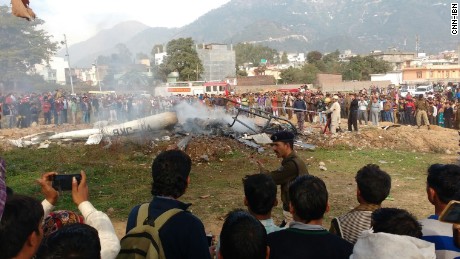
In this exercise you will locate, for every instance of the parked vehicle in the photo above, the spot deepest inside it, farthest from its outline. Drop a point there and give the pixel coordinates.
(423, 90)
(405, 89)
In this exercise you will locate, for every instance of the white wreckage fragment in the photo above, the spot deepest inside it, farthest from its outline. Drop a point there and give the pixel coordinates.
(150, 123)
(33, 139)
(94, 136)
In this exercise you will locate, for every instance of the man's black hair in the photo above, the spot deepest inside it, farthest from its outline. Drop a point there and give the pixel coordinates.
(243, 237)
(396, 221)
(373, 183)
(170, 171)
(22, 216)
(444, 179)
(74, 241)
(308, 195)
(260, 191)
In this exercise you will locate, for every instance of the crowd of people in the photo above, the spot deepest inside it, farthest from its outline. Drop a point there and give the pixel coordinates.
(370, 106)
(165, 227)
(22, 110)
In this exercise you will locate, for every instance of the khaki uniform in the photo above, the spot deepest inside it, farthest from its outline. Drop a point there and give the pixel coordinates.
(291, 167)
(422, 107)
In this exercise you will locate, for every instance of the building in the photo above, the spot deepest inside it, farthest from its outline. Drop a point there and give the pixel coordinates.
(56, 71)
(394, 76)
(432, 73)
(396, 57)
(219, 61)
(159, 58)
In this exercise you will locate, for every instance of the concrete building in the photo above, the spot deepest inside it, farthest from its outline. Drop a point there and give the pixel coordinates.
(432, 73)
(396, 57)
(219, 61)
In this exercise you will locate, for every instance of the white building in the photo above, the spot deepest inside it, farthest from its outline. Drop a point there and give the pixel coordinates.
(159, 58)
(55, 71)
(394, 76)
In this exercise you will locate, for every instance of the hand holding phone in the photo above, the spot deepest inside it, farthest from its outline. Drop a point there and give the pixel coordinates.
(63, 182)
(45, 182)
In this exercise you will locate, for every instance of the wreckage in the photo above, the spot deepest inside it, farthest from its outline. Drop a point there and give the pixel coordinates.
(235, 127)
(95, 135)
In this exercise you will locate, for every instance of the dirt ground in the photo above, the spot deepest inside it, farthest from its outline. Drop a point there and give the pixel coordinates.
(204, 149)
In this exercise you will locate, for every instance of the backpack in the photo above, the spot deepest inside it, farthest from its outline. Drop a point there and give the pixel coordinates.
(143, 241)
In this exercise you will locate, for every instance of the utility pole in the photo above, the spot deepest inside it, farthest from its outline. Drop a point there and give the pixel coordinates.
(97, 75)
(68, 62)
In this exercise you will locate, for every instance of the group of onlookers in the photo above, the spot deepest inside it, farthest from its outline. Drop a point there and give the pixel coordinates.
(165, 227)
(59, 108)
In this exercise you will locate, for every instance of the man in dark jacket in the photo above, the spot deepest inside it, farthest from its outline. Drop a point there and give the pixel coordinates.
(183, 235)
(299, 108)
(306, 237)
(353, 116)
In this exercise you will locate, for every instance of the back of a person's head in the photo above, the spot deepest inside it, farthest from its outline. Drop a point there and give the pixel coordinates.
(260, 192)
(242, 237)
(22, 216)
(396, 221)
(374, 184)
(73, 241)
(309, 197)
(170, 171)
(444, 179)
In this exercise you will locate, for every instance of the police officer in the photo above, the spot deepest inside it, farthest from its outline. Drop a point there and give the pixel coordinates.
(421, 107)
(291, 167)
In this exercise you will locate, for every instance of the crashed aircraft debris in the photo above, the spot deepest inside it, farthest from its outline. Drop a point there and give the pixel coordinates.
(94, 136)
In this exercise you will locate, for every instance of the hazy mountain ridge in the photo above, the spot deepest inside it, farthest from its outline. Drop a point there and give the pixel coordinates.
(305, 25)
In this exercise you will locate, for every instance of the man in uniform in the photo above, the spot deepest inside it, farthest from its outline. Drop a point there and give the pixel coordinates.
(291, 167)
(421, 107)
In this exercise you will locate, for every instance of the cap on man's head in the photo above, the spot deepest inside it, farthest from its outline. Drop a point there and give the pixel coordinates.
(282, 136)
(335, 97)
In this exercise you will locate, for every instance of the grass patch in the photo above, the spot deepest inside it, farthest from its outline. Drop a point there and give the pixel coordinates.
(119, 177)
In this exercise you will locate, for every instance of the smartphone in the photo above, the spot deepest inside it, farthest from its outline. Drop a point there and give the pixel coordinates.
(63, 182)
(451, 213)
(209, 238)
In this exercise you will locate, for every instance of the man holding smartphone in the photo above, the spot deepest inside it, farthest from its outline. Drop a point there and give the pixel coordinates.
(110, 245)
(442, 184)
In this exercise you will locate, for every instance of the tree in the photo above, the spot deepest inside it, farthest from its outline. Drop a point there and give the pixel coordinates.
(254, 53)
(241, 73)
(361, 68)
(284, 58)
(22, 45)
(314, 56)
(157, 48)
(289, 75)
(183, 58)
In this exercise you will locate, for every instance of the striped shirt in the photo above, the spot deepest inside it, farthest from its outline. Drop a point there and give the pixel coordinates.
(350, 225)
(440, 234)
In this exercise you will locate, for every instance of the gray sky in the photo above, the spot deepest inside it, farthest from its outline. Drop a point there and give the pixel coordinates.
(81, 19)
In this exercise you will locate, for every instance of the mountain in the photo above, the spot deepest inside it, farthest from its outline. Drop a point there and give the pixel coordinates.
(87, 51)
(300, 26)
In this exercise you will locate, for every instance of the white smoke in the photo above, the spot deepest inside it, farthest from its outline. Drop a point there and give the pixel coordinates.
(187, 111)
